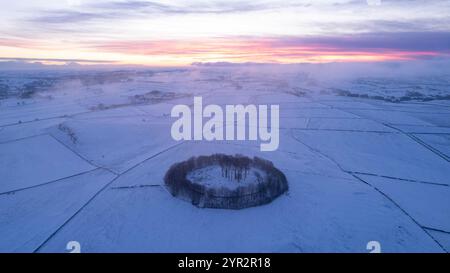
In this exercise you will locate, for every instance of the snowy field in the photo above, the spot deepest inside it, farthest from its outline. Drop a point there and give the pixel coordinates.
(83, 156)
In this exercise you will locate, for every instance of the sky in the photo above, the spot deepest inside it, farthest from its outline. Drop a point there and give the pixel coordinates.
(174, 33)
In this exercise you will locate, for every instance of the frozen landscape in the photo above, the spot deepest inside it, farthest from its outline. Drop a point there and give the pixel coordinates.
(83, 154)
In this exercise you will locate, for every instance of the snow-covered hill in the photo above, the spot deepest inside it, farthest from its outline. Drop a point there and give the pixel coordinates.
(83, 159)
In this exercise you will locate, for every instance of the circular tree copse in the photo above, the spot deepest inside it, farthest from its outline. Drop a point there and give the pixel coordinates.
(226, 181)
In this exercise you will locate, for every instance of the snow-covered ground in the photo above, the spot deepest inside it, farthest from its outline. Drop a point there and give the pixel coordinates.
(212, 177)
(83, 156)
